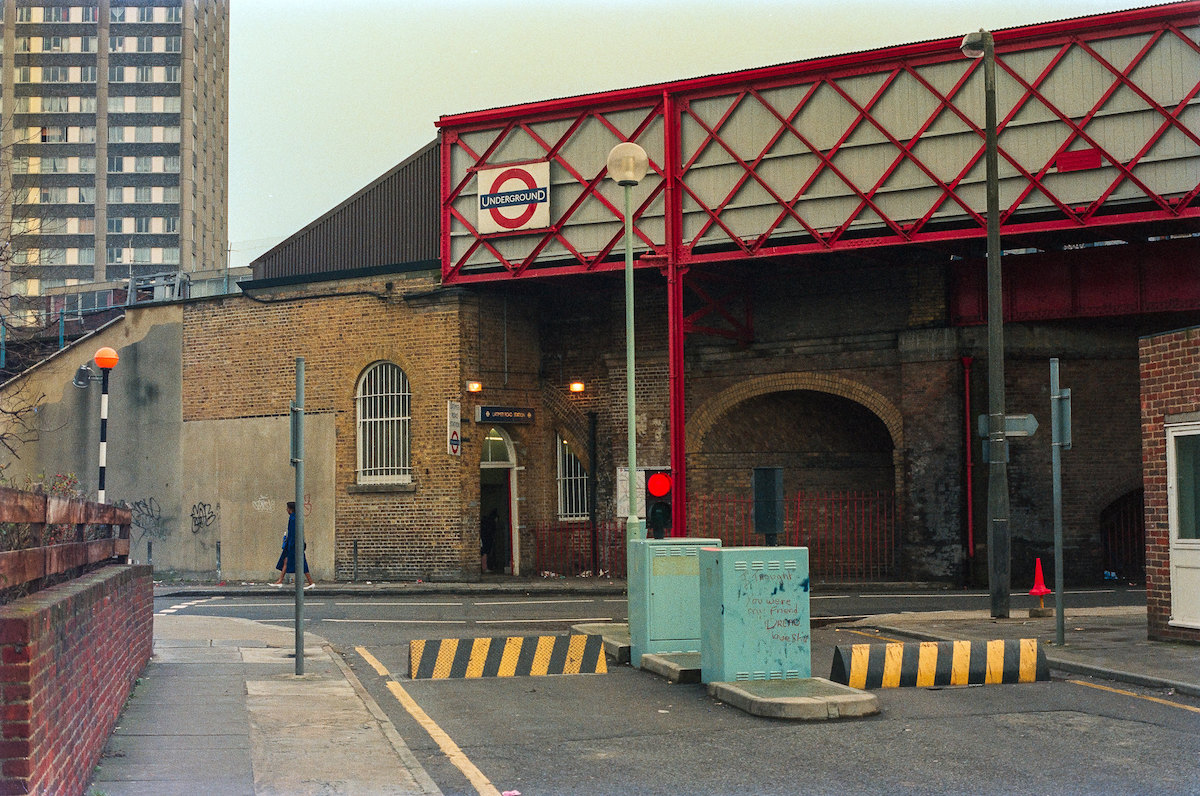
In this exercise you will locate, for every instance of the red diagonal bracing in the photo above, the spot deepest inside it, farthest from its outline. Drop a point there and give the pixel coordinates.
(1171, 118)
(555, 232)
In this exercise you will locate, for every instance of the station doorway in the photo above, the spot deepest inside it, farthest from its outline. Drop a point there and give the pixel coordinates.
(498, 515)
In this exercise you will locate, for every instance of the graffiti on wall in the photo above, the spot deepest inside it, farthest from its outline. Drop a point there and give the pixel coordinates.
(203, 516)
(148, 519)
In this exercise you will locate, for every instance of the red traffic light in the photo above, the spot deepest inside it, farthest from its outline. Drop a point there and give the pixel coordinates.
(659, 484)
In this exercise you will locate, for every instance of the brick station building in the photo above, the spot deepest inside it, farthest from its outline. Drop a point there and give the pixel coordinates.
(809, 295)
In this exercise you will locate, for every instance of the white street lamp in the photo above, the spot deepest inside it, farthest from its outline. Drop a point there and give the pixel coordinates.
(627, 165)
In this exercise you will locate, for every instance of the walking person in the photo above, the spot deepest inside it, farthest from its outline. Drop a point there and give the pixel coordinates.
(287, 559)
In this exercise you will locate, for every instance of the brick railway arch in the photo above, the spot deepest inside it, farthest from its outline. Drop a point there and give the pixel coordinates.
(702, 421)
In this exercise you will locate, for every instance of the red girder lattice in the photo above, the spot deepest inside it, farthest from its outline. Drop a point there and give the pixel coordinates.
(555, 232)
(715, 238)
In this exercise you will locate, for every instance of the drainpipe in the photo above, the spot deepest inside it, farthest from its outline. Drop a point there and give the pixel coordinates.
(966, 363)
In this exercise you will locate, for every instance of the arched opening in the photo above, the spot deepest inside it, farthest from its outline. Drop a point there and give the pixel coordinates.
(1123, 531)
(839, 467)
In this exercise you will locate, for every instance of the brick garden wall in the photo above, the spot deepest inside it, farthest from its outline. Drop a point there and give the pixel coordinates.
(1170, 372)
(69, 657)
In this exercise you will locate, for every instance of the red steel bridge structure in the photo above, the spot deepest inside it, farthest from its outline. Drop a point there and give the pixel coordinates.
(1098, 140)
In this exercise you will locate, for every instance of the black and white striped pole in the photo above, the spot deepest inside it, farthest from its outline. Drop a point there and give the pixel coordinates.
(106, 359)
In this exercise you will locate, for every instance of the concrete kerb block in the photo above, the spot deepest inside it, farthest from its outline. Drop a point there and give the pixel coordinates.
(678, 667)
(809, 699)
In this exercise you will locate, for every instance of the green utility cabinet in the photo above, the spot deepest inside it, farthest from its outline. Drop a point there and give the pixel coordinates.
(664, 596)
(755, 617)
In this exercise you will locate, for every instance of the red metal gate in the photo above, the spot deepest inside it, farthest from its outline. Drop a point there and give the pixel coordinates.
(851, 536)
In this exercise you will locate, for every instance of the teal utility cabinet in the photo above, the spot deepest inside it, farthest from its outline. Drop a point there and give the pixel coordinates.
(755, 619)
(664, 596)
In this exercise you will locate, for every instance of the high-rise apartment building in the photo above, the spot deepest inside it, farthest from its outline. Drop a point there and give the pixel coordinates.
(115, 143)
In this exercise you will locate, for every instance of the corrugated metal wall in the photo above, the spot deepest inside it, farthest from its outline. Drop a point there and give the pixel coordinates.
(393, 220)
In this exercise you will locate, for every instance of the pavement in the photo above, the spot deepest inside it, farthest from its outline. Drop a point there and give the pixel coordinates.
(216, 711)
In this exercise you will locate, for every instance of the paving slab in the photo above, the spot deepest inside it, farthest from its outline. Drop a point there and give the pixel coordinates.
(806, 699)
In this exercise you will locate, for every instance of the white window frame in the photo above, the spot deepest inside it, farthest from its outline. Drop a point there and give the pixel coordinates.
(383, 420)
(572, 480)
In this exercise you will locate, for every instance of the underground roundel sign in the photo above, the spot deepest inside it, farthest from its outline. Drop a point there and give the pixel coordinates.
(514, 198)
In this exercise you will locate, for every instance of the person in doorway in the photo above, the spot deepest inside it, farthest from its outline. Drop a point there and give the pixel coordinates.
(487, 538)
(287, 559)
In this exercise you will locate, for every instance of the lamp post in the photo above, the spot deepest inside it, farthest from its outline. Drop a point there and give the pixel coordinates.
(981, 45)
(105, 359)
(627, 165)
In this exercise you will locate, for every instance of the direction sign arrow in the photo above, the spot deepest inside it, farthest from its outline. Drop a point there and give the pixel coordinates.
(1014, 425)
(1020, 425)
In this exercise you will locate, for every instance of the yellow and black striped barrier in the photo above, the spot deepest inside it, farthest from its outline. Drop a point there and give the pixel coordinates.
(939, 663)
(506, 656)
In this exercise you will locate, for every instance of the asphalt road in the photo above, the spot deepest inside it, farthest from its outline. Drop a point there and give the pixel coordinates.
(630, 732)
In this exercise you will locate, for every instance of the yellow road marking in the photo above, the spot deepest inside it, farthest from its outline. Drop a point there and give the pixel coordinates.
(1123, 692)
(508, 659)
(995, 662)
(893, 657)
(479, 651)
(482, 784)
(960, 664)
(859, 656)
(1029, 650)
(868, 635)
(927, 663)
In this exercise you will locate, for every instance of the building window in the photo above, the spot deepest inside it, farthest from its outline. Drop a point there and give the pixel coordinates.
(170, 255)
(116, 164)
(86, 257)
(87, 44)
(383, 409)
(572, 484)
(145, 74)
(174, 14)
(1183, 480)
(172, 73)
(146, 14)
(174, 44)
(55, 74)
(116, 254)
(145, 44)
(56, 14)
(87, 74)
(116, 225)
(143, 135)
(116, 135)
(143, 194)
(24, 14)
(171, 224)
(116, 14)
(91, 14)
(142, 165)
(116, 194)
(141, 225)
(87, 194)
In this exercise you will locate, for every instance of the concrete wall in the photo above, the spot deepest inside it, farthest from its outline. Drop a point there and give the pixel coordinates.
(237, 480)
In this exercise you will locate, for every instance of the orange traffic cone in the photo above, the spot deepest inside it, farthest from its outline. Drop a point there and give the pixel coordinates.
(1039, 589)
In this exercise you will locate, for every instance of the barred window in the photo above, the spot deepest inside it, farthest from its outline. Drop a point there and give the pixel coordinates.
(383, 408)
(572, 484)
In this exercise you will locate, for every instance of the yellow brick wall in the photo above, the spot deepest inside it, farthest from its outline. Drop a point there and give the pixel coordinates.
(239, 361)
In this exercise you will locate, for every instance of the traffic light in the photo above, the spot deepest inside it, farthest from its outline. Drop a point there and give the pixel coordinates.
(658, 502)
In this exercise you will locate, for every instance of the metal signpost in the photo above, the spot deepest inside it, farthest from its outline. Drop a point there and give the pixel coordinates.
(1060, 439)
(297, 419)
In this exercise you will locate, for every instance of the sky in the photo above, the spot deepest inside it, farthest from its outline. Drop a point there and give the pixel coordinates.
(327, 95)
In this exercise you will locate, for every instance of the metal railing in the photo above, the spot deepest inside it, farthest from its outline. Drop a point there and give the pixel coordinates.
(850, 535)
(579, 549)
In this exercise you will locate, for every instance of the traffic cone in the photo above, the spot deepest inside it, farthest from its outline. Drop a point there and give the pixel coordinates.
(1039, 589)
